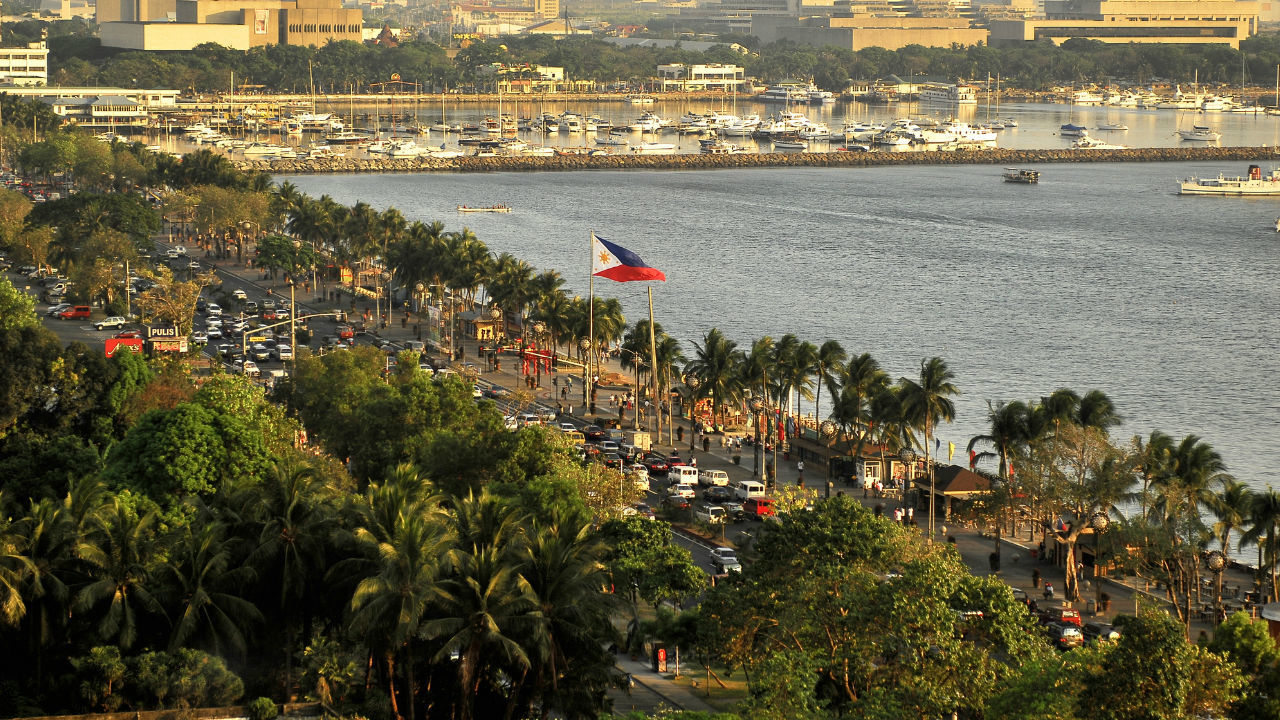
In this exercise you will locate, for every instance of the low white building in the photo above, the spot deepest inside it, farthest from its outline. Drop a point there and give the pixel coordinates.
(679, 77)
(103, 112)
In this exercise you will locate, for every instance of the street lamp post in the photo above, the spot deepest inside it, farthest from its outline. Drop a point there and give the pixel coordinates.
(908, 457)
(1217, 562)
(692, 382)
(539, 330)
(757, 406)
(495, 314)
(585, 344)
(828, 431)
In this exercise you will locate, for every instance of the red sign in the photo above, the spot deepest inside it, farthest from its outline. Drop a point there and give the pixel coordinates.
(130, 344)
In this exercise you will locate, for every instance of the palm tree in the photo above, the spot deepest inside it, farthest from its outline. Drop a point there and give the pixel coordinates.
(797, 364)
(1231, 508)
(14, 567)
(890, 426)
(401, 528)
(1008, 438)
(1264, 526)
(715, 365)
(120, 563)
(208, 612)
(830, 361)
(566, 575)
(928, 402)
(293, 523)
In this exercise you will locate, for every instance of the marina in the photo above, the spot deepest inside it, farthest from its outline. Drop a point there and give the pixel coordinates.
(753, 126)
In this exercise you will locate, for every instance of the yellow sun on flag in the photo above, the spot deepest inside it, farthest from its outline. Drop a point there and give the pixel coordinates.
(604, 258)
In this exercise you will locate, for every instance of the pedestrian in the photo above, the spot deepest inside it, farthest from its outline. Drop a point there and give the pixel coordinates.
(1035, 578)
(897, 515)
(800, 467)
(911, 514)
(942, 530)
(1048, 590)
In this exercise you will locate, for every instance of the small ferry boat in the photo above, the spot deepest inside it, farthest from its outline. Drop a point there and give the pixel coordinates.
(484, 209)
(1022, 176)
(1255, 183)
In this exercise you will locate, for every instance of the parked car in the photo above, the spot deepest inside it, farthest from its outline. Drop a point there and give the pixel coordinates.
(74, 312)
(1064, 636)
(115, 321)
(128, 335)
(725, 560)
(55, 310)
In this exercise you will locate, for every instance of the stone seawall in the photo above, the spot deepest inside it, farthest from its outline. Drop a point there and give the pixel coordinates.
(758, 160)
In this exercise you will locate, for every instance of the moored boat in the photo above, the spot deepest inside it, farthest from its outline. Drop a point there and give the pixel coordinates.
(1022, 176)
(1255, 183)
(484, 209)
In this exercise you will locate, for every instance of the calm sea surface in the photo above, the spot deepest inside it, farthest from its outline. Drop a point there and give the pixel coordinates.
(1100, 277)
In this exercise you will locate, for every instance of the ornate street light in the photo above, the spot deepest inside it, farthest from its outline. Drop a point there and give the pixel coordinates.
(758, 405)
(828, 430)
(908, 458)
(1216, 562)
(539, 329)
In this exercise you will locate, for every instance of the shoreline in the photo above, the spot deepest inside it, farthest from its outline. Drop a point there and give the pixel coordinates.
(343, 165)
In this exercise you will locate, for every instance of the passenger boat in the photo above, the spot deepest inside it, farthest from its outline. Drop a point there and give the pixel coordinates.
(789, 142)
(1255, 183)
(1022, 176)
(652, 148)
(488, 209)
(947, 94)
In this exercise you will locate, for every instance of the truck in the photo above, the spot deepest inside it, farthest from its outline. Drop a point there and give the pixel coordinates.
(638, 438)
(74, 312)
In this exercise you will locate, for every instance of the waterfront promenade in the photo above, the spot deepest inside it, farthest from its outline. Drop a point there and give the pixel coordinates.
(974, 546)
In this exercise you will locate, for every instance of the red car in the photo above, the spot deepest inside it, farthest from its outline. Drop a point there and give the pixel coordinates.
(75, 311)
(128, 334)
(345, 332)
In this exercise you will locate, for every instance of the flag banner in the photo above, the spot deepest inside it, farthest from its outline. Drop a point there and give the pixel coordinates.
(951, 451)
(619, 264)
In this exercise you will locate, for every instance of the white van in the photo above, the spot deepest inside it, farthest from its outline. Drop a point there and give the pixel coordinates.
(713, 477)
(683, 475)
(746, 489)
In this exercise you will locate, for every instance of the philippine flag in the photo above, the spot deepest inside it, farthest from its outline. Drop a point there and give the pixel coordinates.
(618, 263)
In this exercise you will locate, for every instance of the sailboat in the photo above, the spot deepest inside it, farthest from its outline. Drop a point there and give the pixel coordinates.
(1071, 129)
(443, 126)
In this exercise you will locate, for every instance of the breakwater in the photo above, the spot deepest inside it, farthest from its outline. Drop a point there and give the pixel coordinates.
(751, 160)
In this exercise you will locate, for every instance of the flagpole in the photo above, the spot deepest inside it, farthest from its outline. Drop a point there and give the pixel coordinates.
(591, 321)
(653, 374)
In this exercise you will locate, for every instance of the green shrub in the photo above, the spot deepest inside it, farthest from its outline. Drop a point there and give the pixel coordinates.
(262, 708)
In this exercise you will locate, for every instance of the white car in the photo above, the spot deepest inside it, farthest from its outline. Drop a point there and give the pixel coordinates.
(54, 310)
(214, 332)
(250, 368)
(115, 321)
(567, 427)
(725, 560)
(682, 490)
(200, 338)
(182, 251)
(213, 310)
(239, 295)
(283, 352)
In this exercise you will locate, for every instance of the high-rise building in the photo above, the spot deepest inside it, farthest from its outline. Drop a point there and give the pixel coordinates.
(1189, 22)
(238, 24)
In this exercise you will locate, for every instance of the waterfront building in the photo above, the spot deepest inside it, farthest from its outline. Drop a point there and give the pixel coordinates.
(25, 66)
(858, 31)
(237, 24)
(679, 77)
(148, 99)
(1186, 22)
(116, 113)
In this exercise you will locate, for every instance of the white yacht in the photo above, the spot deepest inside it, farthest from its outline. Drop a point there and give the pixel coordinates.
(1085, 142)
(652, 148)
(964, 132)
(648, 122)
(786, 92)
(1252, 184)
(1200, 133)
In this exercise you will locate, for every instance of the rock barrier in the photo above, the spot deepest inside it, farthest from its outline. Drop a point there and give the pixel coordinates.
(301, 166)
